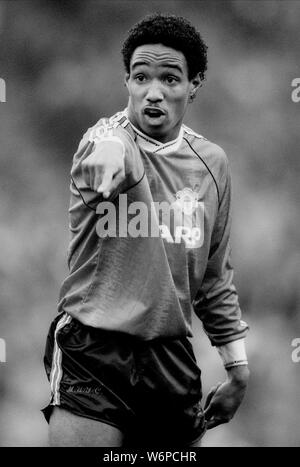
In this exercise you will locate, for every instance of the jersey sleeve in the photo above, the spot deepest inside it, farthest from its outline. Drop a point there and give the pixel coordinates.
(104, 133)
(216, 303)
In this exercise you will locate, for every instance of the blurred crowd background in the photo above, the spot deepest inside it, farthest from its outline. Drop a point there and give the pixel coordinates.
(63, 70)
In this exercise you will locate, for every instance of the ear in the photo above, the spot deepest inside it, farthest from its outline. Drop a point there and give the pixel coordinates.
(126, 79)
(195, 84)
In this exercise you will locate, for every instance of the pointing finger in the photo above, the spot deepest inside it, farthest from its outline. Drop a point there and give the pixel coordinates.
(105, 186)
(116, 182)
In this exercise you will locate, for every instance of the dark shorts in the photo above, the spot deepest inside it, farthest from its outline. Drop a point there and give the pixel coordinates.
(150, 390)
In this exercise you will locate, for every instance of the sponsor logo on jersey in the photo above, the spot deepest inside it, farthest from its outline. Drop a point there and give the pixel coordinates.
(188, 219)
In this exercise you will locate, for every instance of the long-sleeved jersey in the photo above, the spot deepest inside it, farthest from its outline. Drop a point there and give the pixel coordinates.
(143, 260)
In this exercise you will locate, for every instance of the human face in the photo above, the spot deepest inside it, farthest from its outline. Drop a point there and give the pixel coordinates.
(159, 90)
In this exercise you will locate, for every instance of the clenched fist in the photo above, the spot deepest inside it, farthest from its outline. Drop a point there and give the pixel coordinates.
(104, 169)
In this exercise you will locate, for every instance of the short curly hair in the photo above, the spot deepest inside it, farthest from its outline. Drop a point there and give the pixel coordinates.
(172, 31)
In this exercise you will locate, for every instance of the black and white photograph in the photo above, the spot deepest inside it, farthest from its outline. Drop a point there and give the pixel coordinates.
(150, 265)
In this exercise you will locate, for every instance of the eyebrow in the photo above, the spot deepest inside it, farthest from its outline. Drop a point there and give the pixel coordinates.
(140, 62)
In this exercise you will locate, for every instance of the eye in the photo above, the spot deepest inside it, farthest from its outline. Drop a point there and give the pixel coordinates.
(140, 78)
(171, 79)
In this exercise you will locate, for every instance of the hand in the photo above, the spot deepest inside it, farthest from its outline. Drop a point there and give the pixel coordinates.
(224, 399)
(104, 169)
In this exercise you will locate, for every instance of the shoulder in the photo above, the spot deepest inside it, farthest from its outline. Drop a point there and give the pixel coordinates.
(208, 152)
(107, 126)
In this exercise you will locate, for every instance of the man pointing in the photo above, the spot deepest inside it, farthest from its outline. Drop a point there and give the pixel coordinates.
(118, 356)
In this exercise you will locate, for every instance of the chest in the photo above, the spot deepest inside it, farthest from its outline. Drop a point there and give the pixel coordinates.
(180, 178)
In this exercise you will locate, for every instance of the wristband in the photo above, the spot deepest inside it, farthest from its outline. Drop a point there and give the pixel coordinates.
(235, 363)
(233, 353)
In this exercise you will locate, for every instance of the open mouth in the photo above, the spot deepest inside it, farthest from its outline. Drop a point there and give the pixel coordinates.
(153, 112)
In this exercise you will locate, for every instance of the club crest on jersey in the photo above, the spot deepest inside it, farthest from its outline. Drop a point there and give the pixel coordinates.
(188, 220)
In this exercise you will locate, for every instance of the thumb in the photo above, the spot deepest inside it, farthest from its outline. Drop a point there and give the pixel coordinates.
(211, 394)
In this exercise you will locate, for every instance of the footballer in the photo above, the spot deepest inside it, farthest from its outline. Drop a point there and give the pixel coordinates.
(118, 355)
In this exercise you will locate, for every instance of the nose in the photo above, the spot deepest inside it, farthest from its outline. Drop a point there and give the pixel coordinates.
(154, 93)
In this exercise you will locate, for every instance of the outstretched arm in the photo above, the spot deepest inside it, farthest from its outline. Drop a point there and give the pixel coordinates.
(104, 169)
(106, 163)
